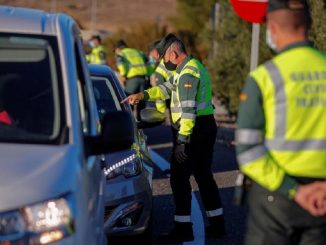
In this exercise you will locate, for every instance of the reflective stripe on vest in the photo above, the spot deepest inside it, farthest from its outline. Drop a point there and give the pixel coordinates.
(164, 72)
(203, 84)
(279, 142)
(251, 155)
(164, 90)
(201, 106)
(135, 62)
(248, 136)
(280, 114)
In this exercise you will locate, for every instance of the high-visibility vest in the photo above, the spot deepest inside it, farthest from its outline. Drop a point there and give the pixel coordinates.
(131, 63)
(293, 88)
(95, 56)
(167, 75)
(202, 103)
(203, 100)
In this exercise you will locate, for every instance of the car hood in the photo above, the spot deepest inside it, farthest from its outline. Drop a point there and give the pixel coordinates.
(35, 173)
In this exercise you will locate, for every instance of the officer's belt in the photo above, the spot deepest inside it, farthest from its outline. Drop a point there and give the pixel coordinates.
(306, 180)
(139, 76)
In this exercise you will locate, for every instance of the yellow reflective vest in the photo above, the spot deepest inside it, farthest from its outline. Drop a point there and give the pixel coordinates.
(162, 75)
(97, 56)
(131, 63)
(190, 94)
(293, 141)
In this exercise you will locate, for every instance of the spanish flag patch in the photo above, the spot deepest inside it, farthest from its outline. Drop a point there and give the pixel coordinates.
(188, 85)
(243, 97)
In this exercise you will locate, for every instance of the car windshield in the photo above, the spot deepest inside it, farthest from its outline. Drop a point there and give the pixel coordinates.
(29, 99)
(105, 96)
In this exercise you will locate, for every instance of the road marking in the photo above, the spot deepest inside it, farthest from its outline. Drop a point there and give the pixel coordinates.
(197, 218)
(160, 162)
(198, 222)
(224, 179)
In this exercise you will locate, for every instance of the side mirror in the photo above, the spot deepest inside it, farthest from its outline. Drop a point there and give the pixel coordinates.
(117, 134)
(150, 117)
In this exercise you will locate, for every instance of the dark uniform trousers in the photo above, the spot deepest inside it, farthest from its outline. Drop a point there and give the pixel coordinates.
(274, 219)
(135, 85)
(200, 156)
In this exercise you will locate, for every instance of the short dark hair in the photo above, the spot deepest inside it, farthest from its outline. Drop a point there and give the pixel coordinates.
(292, 20)
(121, 44)
(97, 37)
(179, 46)
(153, 45)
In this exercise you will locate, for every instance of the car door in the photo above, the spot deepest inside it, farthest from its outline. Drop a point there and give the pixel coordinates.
(94, 178)
(140, 137)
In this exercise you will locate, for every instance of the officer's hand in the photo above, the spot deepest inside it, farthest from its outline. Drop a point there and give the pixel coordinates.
(179, 153)
(134, 98)
(312, 197)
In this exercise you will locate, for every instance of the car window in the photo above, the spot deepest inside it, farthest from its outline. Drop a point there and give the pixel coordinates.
(29, 89)
(105, 96)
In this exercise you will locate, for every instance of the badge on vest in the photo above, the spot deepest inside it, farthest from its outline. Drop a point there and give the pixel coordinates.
(243, 97)
(188, 85)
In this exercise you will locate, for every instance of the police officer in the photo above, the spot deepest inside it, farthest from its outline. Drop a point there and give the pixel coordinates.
(98, 52)
(281, 136)
(160, 75)
(192, 115)
(132, 67)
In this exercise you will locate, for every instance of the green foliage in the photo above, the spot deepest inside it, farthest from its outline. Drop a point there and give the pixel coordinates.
(318, 30)
(230, 65)
(192, 16)
(139, 37)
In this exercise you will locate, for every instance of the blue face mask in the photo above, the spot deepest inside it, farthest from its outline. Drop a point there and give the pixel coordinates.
(152, 60)
(91, 44)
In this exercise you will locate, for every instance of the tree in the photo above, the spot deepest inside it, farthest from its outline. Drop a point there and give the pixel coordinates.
(318, 30)
(230, 67)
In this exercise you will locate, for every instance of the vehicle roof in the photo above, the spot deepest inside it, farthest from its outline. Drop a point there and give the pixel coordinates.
(100, 70)
(105, 71)
(25, 20)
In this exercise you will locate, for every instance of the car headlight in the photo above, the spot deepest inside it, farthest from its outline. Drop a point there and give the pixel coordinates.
(48, 215)
(42, 223)
(129, 166)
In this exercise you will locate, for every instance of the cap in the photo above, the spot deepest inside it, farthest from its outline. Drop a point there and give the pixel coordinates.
(165, 43)
(287, 4)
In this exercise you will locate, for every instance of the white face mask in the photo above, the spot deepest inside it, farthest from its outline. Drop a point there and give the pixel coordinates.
(269, 40)
(91, 44)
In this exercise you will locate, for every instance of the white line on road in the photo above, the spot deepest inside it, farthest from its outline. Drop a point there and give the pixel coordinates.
(196, 215)
(160, 162)
(197, 219)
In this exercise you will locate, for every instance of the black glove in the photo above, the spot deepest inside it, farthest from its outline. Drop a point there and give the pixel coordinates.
(179, 153)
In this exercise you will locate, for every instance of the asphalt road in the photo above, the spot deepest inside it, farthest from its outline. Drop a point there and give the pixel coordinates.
(225, 170)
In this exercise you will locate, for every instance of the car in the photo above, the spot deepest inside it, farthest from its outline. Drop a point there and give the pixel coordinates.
(129, 172)
(51, 139)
